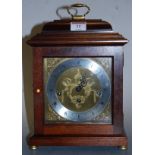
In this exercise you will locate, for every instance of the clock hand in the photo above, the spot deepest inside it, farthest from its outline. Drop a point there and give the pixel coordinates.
(82, 84)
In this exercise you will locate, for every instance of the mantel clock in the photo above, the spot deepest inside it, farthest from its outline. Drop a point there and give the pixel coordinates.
(78, 84)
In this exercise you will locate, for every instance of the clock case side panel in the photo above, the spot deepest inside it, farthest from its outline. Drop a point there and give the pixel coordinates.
(38, 91)
(79, 129)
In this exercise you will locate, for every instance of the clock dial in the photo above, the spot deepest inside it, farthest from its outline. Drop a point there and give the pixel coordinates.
(78, 89)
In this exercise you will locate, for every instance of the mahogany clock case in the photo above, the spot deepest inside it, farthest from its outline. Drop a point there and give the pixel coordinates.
(99, 40)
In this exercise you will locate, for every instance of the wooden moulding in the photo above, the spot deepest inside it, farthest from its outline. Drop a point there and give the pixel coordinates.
(117, 141)
(57, 33)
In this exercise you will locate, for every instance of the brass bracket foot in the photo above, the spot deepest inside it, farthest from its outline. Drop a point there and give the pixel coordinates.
(123, 148)
(33, 147)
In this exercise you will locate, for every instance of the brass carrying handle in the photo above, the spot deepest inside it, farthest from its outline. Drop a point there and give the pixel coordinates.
(78, 5)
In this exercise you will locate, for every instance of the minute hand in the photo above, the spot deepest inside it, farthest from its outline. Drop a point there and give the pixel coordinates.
(82, 84)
